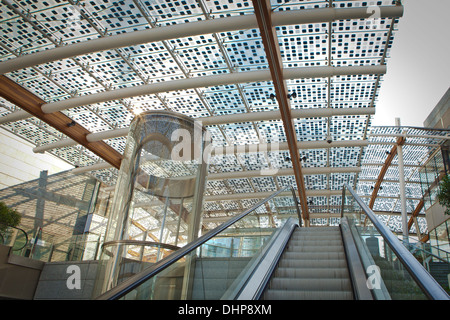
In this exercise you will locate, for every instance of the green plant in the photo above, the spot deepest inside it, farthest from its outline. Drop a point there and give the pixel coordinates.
(8, 216)
(444, 194)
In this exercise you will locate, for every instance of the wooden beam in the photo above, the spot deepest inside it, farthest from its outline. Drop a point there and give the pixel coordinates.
(31, 103)
(422, 202)
(425, 238)
(138, 225)
(387, 163)
(263, 14)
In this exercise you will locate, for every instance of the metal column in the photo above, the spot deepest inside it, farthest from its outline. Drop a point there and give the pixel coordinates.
(401, 178)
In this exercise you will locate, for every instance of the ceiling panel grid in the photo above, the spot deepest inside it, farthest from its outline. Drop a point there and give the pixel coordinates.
(29, 26)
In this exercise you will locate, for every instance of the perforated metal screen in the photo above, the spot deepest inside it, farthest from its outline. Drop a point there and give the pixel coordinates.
(33, 26)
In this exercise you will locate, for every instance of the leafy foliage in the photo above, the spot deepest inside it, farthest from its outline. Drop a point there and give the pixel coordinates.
(8, 216)
(444, 194)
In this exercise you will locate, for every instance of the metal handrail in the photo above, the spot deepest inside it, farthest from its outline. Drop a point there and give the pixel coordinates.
(19, 229)
(131, 283)
(426, 282)
(297, 207)
(140, 243)
(429, 253)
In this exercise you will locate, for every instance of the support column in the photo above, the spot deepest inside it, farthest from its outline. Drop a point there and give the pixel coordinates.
(40, 200)
(401, 178)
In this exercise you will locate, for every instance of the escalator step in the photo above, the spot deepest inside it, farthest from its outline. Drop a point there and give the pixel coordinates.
(313, 266)
(311, 273)
(301, 263)
(307, 295)
(313, 255)
(315, 248)
(324, 284)
(305, 237)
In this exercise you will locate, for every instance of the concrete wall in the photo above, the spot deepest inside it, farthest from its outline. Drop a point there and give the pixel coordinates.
(19, 164)
(55, 276)
(439, 118)
(19, 276)
(435, 216)
(28, 279)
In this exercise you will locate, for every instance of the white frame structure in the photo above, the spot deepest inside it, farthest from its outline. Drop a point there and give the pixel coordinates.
(100, 65)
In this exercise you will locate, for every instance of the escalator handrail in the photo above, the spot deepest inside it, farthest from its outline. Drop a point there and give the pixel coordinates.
(427, 283)
(131, 283)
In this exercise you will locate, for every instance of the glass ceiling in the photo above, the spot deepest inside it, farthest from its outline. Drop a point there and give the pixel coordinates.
(34, 26)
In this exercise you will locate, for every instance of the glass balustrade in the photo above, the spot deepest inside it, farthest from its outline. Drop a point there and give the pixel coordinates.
(392, 272)
(77, 248)
(13, 237)
(216, 264)
(427, 253)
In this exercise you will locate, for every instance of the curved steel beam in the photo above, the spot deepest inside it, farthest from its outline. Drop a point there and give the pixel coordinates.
(242, 22)
(208, 81)
(386, 165)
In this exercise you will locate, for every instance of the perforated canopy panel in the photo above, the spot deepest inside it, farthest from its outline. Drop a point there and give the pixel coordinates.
(178, 59)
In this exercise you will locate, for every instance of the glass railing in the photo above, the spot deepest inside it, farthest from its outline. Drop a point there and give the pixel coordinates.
(13, 237)
(436, 261)
(214, 265)
(427, 253)
(439, 254)
(392, 271)
(76, 248)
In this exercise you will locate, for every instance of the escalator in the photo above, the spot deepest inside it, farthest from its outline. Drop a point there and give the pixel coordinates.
(252, 258)
(313, 266)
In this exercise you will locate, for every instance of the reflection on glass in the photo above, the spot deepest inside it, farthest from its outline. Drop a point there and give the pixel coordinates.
(430, 175)
(387, 277)
(13, 237)
(158, 197)
(217, 269)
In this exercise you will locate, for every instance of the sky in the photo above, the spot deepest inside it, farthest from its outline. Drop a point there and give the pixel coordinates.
(418, 67)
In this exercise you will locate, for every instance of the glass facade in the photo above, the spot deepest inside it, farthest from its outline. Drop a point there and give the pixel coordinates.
(430, 176)
(439, 237)
(56, 213)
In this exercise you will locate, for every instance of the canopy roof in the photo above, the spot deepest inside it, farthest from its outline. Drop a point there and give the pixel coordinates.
(99, 64)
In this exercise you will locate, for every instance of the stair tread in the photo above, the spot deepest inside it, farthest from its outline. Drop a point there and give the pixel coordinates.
(310, 284)
(311, 272)
(314, 255)
(307, 295)
(313, 266)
